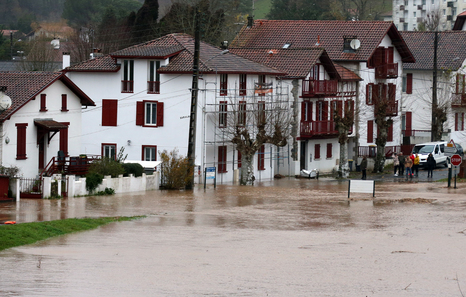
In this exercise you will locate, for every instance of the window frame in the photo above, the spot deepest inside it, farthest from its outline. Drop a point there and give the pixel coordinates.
(242, 108)
(103, 145)
(143, 153)
(43, 102)
(223, 84)
(222, 159)
(223, 114)
(127, 81)
(153, 79)
(243, 84)
(261, 158)
(141, 113)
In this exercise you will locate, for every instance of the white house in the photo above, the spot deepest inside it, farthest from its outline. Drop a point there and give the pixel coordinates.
(369, 50)
(418, 84)
(143, 99)
(44, 117)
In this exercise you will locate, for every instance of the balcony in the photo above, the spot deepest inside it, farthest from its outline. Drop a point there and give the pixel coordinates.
(127, 86)
(153, 87)
(319, 88)
(317, 128)
(392, 109)
(458, 100)
(388, 70)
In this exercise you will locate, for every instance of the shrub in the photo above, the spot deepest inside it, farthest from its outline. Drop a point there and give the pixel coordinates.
(106, 166)
(93, 180)
(133, 168)
(175, 170)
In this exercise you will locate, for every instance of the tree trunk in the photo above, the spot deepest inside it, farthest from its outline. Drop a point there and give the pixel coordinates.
(343, 168)
(379, 163)
(247, 170)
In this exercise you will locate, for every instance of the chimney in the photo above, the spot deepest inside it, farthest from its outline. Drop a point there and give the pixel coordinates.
(250, 21)
(66, 59)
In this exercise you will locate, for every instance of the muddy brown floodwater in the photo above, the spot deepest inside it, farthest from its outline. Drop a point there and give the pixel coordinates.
(283, 238)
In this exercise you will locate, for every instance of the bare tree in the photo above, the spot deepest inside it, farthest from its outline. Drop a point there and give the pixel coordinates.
(40, 56)
(253, 123)
(344, 122)
(431, 22)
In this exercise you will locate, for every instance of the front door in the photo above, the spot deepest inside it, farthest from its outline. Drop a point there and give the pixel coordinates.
(302, 155)
(42, 153)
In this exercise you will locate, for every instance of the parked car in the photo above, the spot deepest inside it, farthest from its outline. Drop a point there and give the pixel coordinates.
(437, 149)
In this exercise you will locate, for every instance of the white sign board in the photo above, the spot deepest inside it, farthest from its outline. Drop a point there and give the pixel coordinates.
(361, 186)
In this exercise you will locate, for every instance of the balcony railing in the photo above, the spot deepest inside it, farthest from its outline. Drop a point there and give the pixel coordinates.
(315, 88)
(318, 128)
(153, 87)
(392, 109)
(127, 86)
(458, 100)
(389, 70)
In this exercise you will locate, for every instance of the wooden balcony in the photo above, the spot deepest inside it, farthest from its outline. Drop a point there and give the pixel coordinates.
(319, 88)
(78, 165)
(389, 70)
(317, 128)
(153, 87)
(127, 86)
(458, 100)
(392, 109)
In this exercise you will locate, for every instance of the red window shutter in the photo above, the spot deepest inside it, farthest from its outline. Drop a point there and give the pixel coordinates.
(456, 122)
(325, 111)
(222, 159)
(64, 102)
(21, 141)
(303, 111)
(378, 56)
(139, 113)
(239, 159)
(409, 83)
(242, 84)
(390, 133)
(409, 117)
(370, 131)
(260, 159)
(159, 114)
(317, 151)
(109, 112)
(43, 102)
(329, 150)
(64, 140)
(309, 111)
(391, 92)
(389, 54)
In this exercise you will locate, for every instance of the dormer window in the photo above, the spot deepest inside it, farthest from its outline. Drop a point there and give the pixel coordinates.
(350, 44)
(287, 45)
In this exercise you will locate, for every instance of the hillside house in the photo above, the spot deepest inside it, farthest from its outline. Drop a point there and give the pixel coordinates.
(373, 50)
(418, 84)
(44, 117)
(143, 95)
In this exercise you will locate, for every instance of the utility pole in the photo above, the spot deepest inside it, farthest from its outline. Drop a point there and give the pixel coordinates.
(194, 92)
(434, 127)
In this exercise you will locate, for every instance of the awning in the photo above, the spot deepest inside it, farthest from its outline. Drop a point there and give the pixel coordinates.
(145, 164)
(46, 126)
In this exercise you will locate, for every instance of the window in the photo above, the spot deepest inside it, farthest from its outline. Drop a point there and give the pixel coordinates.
(242, 84)
(329, 150)
(21, 141)
(409, 83)
(109, 150)
(64, 139)
(322, 111)
(43, 102)
(153, 83)
(149, 153)
(370, 131)
(460, 83)
(64, 102)
(336, 107)
(314, 75)
(223, 84)
(149, 113)
(306, 111)
(242, 113)
(369, 94)
(128, 76)
(261, 158)
(459, 121)
(390, 133)
(317, 151)
(262, 84)
(222, 116)
(109, 112)
(261, 112)
(222, 159)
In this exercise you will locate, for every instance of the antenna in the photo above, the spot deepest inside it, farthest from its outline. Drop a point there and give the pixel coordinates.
(355, 44)
(5, 100)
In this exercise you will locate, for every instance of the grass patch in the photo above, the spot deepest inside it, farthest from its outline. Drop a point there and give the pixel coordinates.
(262, 8)
(27, 233)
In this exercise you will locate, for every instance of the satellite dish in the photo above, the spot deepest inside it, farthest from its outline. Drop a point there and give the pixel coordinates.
(5, 101)
(355, 44)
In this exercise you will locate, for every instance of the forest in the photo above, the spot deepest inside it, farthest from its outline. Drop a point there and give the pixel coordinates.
(114, 24)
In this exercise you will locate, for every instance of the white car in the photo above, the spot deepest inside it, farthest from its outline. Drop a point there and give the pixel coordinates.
(437, 149)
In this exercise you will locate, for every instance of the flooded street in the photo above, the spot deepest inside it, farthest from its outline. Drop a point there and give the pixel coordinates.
(283, 238)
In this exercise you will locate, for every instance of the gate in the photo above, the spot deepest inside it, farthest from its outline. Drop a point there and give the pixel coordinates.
(31, 188)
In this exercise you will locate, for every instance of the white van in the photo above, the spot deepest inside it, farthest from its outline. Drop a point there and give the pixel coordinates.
(437, 149)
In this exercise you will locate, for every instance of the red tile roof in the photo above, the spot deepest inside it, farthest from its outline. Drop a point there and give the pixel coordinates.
(346, 74)
(327, 34)
(25, 86)
(451, 51)
(459, 21)
(180, 48)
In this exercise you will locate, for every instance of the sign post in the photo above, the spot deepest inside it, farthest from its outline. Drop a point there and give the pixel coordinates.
(210, 173)
(456, 160)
